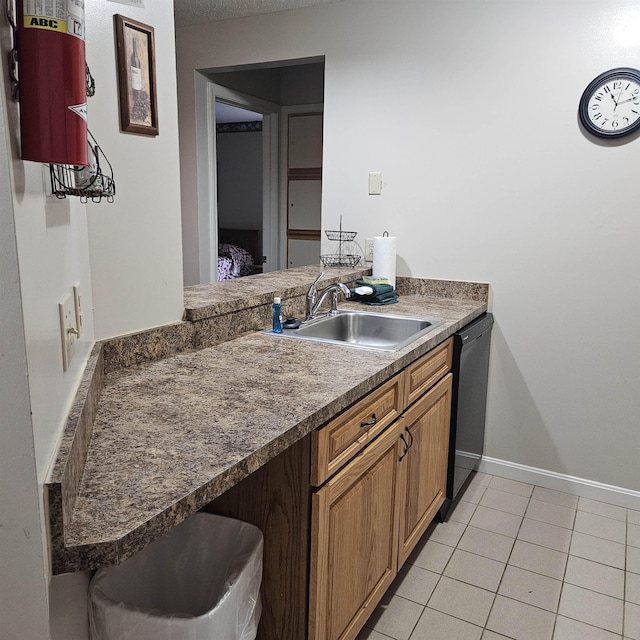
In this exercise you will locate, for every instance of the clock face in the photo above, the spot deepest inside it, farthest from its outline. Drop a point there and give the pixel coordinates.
(610, 105)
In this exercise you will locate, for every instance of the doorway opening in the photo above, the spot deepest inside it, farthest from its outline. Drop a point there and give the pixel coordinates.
(239, 151)
(243, 133)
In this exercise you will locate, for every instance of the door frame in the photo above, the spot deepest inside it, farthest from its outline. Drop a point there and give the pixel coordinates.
(207, 93)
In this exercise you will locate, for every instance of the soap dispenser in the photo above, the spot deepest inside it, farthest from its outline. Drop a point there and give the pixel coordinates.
(277, 315)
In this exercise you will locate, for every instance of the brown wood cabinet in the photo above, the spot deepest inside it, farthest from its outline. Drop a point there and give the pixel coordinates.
(369, 516)
(342, 509)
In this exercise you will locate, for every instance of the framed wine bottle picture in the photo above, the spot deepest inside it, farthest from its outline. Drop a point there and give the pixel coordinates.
(136, 76)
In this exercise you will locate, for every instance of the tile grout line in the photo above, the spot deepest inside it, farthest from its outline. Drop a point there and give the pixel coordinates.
(495, 592)
(564, 573)
(465, 527)
(506, 564)
(444, 568)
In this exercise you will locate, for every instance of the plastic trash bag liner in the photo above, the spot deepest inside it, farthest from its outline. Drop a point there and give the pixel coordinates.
(201, 581)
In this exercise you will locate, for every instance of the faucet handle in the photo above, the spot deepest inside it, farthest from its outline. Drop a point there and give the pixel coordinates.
(311, 292)
(311, 296)
(315, 282)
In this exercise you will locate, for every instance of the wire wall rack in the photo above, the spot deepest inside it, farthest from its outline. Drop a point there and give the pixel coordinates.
(94, 182)
(340, 259)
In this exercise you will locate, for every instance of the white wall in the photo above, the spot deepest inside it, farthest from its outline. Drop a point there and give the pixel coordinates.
(135, 243)
(50, 252)
(127, 259)
(469, 109)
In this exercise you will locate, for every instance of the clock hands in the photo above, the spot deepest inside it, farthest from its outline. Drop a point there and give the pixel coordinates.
(618, 102)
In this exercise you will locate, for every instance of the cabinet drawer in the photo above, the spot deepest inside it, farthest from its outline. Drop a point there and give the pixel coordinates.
(334, 444)
(427, 370)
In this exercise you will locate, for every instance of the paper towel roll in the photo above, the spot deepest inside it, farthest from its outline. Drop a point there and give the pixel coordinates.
(384, 258)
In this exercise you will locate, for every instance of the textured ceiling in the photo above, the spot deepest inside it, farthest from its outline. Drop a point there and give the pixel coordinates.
(188, 12)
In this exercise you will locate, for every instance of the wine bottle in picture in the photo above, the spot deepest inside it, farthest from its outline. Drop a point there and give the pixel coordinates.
(136, 73)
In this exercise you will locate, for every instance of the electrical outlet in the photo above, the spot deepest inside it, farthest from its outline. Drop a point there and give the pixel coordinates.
(368, 250)
(77, 303)
(68, 330)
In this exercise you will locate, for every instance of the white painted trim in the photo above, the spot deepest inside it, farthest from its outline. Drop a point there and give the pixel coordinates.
(207, 93)
(205, 178)
(560, 482)
(270, 192)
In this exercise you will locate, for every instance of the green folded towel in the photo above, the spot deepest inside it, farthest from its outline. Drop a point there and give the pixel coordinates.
(382, 294)
(377, 288)
(378, 303)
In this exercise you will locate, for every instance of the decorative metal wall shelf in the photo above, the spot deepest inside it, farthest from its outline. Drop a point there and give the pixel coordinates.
(340, 259)
(94, 182)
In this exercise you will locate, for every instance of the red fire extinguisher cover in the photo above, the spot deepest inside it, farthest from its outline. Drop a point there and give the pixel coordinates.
(52, 81)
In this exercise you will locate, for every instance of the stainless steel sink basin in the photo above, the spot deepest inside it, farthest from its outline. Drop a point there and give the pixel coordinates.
(383, 331)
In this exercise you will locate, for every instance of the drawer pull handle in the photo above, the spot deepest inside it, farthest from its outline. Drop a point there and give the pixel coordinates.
(371, 422)
(406, 447)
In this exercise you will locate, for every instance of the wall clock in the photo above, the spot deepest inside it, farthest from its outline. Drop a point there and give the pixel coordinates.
(610, 105)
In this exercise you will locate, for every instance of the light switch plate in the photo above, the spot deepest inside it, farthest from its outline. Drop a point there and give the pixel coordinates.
(68, 331)
(77, 303)
(375, 183)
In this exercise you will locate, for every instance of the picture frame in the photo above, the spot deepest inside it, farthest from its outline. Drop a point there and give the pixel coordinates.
(135, 46)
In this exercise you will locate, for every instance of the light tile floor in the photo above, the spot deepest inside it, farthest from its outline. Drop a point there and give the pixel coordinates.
(522, 562)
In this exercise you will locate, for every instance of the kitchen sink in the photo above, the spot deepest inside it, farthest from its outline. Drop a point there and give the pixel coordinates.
(364, 329)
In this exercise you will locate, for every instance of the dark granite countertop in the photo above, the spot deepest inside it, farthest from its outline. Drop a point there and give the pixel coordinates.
(170, 435)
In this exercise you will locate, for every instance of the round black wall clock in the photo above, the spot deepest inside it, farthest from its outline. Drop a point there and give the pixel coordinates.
(610, 105)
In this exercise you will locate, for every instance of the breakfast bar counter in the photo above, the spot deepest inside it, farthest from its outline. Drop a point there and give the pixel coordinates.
(151, 440)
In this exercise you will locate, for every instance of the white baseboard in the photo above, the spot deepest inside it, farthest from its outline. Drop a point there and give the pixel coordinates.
(560, 482)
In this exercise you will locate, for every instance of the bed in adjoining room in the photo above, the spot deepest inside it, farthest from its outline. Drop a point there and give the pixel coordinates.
(239, 253)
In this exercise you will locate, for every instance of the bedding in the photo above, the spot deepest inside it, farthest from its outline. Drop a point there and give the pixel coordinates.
(233, 262)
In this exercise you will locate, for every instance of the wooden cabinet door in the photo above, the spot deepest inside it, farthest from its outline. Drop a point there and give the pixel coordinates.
(423, 470)
(354, 540)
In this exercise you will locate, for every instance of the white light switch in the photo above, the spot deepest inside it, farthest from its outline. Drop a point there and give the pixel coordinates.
(77, 302)
(68, 331)
(375, 183)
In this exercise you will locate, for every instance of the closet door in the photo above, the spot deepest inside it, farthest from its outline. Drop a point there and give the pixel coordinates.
(304, 188)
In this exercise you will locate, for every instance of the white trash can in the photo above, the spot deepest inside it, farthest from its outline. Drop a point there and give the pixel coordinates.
(201, 581)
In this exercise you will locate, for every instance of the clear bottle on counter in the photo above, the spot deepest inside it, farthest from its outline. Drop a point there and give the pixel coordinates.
(277, 315)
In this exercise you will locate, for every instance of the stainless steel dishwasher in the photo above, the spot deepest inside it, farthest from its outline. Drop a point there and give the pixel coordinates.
(469, 402)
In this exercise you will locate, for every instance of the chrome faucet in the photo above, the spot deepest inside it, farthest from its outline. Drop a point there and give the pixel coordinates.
(314, 302)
